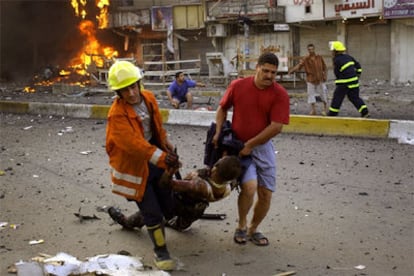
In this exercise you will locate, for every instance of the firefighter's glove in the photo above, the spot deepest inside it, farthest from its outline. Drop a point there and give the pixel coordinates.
(171, 160)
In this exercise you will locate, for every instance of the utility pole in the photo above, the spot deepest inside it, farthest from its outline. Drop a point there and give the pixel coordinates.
(246, 37)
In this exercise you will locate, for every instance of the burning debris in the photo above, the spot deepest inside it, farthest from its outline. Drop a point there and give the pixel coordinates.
(84, 68)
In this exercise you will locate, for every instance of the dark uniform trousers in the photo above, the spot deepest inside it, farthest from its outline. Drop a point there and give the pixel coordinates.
(343, 90)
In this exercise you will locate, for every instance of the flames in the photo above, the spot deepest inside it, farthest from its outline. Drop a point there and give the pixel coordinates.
(103, 13)
(29, 89)
(79, 7)
(92, 53)
(91, 56)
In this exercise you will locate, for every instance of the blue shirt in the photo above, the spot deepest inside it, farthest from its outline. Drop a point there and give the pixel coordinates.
(179, 91)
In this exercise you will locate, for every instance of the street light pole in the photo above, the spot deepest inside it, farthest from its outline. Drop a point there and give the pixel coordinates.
(246, 37)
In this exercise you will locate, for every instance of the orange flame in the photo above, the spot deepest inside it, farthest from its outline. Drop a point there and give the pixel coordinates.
(80, 7)
(92, 53)
(64, 73)
(92, 50)
(29, 89)
(103, 13)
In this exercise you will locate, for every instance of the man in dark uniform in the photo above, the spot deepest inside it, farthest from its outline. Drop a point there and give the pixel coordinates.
(347, 71)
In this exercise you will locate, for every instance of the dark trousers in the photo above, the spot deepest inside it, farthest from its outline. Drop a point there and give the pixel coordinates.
(157, 202)
(353, 95)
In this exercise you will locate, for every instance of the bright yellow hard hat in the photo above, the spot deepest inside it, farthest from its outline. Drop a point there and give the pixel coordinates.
(122, 74)
(336, 46)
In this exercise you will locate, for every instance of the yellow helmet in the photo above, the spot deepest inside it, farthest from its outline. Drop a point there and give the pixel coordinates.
(336, 46)
(122, 74)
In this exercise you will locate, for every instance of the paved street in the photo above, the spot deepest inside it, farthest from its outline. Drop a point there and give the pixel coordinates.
(344, 206)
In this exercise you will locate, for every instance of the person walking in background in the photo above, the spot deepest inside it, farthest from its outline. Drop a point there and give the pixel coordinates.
(139, 152)
(260, 108)
(178, 92)
(347, 72)
(316, 76)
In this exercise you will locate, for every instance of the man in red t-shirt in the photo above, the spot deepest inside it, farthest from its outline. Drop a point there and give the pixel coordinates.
(260, 109)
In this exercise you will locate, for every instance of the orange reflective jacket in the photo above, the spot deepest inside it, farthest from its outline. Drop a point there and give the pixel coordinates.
(129, 152)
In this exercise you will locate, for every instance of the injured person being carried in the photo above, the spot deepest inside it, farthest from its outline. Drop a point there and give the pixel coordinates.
(193, 194)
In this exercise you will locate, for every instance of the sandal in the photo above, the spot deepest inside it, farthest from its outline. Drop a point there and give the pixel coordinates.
(259, 239)
(240, 236)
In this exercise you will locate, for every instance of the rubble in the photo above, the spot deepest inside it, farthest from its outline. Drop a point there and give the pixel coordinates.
(63, 264)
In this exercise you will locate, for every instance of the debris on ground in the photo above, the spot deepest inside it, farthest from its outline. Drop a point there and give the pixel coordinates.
(85, 217)
(64, 264)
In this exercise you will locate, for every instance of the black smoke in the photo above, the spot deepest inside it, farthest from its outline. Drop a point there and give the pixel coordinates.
(36, 34)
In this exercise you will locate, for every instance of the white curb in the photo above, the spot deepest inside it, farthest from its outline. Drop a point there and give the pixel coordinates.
(403, 131)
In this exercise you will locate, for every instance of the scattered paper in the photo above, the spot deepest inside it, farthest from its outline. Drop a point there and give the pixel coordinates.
(36, 242)
(360, 267)
(3, 224)
(109, 264)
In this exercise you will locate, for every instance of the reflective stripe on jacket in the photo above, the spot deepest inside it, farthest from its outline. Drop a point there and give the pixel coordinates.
(347, 70)
(128, 151)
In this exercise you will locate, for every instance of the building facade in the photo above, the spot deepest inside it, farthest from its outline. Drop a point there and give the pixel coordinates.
(379, 33)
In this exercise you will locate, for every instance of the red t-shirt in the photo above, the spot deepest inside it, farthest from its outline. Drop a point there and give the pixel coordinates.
(254, 109)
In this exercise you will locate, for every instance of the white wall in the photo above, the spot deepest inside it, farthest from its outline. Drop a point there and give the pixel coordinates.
(402, 41)
(352, 8)
(278, 39)
(295, 10)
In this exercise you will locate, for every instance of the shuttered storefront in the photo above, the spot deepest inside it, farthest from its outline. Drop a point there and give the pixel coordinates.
(370, 45)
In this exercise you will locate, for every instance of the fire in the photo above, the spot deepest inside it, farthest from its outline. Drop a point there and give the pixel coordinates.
(29, 89)
(80, 7)
(89, 58)
(103, 13)
(92, 53)
(80, 10)
(64, 73)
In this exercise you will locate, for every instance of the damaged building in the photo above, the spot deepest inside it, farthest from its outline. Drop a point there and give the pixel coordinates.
(223, 38)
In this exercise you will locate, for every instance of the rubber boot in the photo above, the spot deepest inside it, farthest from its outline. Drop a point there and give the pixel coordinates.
(162, 259)
(129, 223)
(364, 113)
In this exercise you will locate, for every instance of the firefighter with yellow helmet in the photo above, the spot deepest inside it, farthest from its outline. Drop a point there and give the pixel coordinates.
(347, 72)
(139, 152)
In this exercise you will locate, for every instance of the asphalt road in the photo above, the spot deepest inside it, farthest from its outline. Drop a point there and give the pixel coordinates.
(341, 203)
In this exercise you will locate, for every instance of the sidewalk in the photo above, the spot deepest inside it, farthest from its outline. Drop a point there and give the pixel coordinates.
(403, 130)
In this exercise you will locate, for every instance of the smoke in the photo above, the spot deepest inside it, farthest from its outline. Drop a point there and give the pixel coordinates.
(38, 33)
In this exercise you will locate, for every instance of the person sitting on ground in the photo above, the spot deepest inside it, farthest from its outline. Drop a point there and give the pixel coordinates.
(191, 194)
(178, 92)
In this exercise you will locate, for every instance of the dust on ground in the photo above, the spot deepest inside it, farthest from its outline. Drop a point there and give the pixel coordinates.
(343, 206)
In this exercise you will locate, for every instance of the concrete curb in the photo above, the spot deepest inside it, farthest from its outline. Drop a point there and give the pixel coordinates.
(313, 125)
